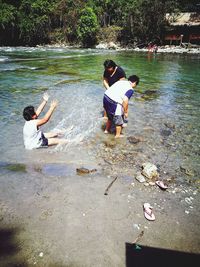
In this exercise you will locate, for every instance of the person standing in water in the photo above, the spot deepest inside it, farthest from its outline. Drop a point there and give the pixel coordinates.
(115, 103)
(112, 73)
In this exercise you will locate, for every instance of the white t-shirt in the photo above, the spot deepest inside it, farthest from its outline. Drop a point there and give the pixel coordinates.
(117, 92)
(32, 135)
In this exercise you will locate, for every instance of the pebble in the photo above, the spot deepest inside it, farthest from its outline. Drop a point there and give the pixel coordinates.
(135, 225)
(140, 178)
(41, 254)
(188, 200)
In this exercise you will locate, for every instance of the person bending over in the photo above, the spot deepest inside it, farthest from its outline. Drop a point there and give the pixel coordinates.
(32, 135)
(115, 102)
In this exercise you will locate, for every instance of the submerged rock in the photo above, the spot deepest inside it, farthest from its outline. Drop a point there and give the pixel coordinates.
(187, 171)
(16, 167)
(170, 125)
(83, 170)
(150, 92)
(134, 139)
(165, 133)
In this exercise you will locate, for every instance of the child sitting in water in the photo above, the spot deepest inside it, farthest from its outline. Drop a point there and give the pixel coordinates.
(33, 136)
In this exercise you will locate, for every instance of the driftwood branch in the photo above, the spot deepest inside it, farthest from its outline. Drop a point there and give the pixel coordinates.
(109, 186)
(138, 237)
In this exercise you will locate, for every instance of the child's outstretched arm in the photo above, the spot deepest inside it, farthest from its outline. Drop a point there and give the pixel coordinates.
(47, 116)
(42, 105)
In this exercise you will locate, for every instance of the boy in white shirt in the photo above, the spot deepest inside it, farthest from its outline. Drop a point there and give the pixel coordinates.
(33, 136)
(115, 102)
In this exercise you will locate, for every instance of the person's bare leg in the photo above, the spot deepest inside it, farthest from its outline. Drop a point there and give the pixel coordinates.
(108, 125)
(118, 131)
(50, 135)
(56, 141)
(105, 114)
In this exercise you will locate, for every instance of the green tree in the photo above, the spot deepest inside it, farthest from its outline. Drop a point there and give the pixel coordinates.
(65, 17)
(88, 27)
(8, 22)
(34, 21)
(145, 20)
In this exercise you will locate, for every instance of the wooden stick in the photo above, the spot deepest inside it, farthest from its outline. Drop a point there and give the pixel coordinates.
(106, 191)
(138, 237)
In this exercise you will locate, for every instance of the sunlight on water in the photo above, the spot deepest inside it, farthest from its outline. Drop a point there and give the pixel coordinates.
(74, 78)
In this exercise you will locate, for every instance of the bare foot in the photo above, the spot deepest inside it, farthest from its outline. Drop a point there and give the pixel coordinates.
(119, 136)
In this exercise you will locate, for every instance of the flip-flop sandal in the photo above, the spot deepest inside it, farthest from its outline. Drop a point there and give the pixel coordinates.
(148, 212)
(161, 185)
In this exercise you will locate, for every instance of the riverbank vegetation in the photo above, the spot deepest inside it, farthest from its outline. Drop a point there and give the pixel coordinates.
(34, 22)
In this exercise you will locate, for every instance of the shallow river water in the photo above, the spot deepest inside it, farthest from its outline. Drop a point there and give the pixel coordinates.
(50, 215)
(164, 111)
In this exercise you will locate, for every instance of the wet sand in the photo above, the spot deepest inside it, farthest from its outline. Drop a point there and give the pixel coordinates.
(56, 217)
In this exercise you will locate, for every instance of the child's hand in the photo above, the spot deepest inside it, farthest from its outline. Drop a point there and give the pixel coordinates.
(45, 97)
(126, 114)
(54, 103)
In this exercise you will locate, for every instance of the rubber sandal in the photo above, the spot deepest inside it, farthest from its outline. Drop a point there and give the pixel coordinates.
(161, 185)
(148, 214)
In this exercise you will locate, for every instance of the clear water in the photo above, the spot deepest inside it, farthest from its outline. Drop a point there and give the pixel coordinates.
(74, 77)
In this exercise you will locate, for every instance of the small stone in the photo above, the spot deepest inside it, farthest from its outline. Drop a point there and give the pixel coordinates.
(188, 200)
(135, 225)
(134, 139)
(41, 254)
(140, 178)
(187, 212)
(165, 133)
(169, 125)
(83, 170)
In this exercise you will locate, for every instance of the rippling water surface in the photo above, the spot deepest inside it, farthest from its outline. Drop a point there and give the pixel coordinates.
(74, 77)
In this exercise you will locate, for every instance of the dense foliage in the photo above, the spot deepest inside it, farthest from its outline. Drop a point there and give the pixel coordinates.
(31, 22)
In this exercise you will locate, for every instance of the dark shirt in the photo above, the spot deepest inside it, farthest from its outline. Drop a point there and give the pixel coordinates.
(119, 73)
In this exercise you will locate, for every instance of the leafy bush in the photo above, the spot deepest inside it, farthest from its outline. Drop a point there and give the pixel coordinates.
(109, 34)
(88, 27)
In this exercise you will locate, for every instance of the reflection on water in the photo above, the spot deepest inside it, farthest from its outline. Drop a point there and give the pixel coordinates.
(168, 92)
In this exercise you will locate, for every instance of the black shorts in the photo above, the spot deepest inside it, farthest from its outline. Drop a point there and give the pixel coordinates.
(44, 141)
(116, 119)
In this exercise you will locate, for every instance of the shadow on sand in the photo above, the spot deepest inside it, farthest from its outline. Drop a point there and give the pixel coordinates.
(9, 247)
(12, 253)
(142, 256)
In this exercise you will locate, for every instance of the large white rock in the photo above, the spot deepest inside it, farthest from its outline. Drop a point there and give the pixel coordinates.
(149, 170)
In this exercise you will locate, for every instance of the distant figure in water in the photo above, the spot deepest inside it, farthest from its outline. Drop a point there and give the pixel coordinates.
(33, 136)
(153, 48)
(112, 74)
(115, 102)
